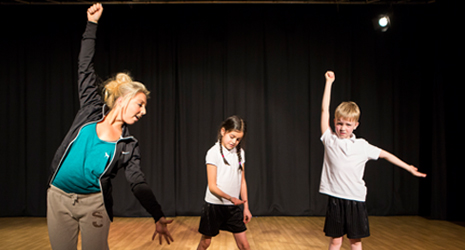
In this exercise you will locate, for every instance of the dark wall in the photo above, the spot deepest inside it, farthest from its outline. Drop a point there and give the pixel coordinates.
(265, 63)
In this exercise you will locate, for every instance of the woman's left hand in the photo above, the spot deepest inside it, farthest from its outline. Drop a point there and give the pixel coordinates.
(161, 228)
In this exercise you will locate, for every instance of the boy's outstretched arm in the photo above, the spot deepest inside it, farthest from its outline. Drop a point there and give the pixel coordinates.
(324, 122)
(398, 162)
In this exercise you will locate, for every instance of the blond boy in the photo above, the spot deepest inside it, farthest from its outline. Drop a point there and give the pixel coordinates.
(343, 167)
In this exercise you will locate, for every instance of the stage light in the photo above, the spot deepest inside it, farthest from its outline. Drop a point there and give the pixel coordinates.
(382, 23)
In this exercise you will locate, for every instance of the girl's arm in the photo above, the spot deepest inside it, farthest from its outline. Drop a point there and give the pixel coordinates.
(398, 162)
(211, 175)
(247, 213)
(324, 122)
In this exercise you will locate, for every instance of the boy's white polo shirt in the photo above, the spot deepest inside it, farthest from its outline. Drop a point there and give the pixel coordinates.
(228, 177)
(344, 166)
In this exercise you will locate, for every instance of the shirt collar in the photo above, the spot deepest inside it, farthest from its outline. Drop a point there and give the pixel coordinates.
(352, 137)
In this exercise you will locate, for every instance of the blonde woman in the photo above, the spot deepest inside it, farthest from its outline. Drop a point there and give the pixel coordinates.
(97, 145)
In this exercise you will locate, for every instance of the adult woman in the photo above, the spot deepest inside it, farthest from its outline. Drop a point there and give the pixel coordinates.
(97, 145)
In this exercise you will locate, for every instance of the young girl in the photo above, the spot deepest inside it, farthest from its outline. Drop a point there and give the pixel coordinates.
(97, 145)
(226, 185)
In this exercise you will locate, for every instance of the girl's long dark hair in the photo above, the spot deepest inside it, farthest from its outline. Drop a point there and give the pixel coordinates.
(230, 124)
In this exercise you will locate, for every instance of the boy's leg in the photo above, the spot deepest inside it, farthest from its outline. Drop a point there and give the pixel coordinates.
(357, 220)
(355, 244)
(335, 243)
(334, 222)
(63, 229)
(241, 241)
(335, 217)
(204, 243)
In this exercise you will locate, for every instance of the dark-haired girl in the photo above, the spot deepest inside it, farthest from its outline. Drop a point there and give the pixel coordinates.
(227, 188)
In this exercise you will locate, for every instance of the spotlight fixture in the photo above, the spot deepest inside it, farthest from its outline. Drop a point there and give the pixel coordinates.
(382, 23)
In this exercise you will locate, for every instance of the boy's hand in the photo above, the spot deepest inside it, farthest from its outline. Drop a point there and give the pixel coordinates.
(330, 76)
(415, 172)
(94, 12)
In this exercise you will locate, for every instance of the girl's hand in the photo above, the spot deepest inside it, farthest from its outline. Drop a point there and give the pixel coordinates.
(247, 216)
(236, 201)
(94, 12)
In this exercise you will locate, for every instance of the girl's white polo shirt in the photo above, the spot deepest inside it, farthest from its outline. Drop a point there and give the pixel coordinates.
(228, 177)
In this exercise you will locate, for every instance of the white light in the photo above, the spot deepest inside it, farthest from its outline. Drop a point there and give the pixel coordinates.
(383, 21)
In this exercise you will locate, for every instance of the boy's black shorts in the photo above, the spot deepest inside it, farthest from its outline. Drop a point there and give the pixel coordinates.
(346, 217)
(221, 217)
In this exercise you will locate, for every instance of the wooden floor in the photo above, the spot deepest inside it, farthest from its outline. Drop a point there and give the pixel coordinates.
(287, 233)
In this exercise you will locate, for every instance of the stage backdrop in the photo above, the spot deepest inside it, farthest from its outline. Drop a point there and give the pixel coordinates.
(266, 63)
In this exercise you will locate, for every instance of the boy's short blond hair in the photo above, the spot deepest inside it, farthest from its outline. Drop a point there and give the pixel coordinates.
(347, 110)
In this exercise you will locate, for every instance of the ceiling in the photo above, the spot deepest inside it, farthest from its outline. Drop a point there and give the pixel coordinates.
(82, 2)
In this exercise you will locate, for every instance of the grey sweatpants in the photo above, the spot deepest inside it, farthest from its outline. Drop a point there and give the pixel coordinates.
(69, 213)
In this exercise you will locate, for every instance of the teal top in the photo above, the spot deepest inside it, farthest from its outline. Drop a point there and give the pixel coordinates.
(85, 162)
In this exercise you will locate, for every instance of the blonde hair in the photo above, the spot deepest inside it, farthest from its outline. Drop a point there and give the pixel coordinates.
(122, 85)
(348, 110)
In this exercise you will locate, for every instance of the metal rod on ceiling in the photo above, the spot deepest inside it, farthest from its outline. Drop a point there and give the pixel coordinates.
(343, 2)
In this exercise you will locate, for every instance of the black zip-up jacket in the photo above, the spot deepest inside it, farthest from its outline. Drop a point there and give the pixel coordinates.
(92, 109)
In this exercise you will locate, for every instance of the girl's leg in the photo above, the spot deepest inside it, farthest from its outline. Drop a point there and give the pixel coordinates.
(204, 243)
(356, 244)
(335, 243)
(241, 241)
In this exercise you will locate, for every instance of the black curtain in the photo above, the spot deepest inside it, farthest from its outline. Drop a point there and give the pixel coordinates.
(266, 63)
